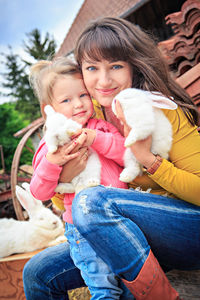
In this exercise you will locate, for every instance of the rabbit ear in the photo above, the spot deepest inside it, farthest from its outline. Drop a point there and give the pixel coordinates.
(48, 109)
(26, 186)
(26, 199)
(160, 101)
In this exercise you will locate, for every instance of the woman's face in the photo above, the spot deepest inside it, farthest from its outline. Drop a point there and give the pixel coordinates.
(105, 79)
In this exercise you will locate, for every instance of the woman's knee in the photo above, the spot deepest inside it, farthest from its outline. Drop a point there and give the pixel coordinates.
(87, 205)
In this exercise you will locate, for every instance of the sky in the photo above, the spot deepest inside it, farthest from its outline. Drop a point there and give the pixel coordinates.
(18, 17)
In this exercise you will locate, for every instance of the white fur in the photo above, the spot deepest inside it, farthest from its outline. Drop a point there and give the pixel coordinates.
(59, 129)
(40, 231)
(142, 111)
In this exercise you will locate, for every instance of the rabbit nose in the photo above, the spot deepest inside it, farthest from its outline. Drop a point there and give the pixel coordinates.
(55, 222)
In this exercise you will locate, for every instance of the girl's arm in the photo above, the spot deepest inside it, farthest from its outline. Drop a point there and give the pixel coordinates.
(104, 138)
(47, 168)
(107, 141)
(45, 176)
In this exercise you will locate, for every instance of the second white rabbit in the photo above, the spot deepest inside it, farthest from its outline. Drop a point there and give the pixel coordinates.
(143, 113)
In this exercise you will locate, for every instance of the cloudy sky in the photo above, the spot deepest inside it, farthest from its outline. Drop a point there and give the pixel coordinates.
(18, 17)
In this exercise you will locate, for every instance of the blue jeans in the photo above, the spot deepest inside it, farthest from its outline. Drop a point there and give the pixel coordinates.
(121, 226)
(101, 282)
(50, 274)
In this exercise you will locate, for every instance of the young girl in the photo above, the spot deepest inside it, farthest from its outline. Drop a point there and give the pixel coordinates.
(60, 84)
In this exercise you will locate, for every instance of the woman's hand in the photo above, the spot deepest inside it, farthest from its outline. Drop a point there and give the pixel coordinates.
(75, 166)
(63, 154)
(141, 149)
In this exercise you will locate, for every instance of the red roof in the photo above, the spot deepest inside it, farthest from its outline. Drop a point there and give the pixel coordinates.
(92, 9)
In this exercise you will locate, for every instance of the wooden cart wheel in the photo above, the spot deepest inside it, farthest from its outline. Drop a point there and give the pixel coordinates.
(35, 128)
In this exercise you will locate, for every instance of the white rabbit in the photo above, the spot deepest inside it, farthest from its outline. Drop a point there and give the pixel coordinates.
(59, 129)
(142, 111)
(41, 230)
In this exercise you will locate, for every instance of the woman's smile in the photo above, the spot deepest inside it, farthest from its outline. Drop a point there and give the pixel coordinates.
(106, 91)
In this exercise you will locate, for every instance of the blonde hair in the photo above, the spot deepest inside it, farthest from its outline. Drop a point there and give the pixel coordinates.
(44, 74)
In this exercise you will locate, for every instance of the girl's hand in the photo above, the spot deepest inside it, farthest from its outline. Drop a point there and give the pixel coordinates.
(90, 135)
(141, 149)
(63, 154)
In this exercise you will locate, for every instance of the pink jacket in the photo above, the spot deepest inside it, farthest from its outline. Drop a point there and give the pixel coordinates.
(109, 144)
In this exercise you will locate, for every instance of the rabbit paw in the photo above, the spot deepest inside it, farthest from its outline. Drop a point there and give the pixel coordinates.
(52, 149)
(127, 176)
(63, 188)
(92, 182)
(129, 141)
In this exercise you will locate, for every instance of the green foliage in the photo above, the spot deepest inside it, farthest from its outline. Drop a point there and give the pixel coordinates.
(16, 76)
(24, 107)
(19, 89)
(11, 121)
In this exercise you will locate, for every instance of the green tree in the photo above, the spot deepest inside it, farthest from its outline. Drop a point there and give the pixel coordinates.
(11, 121)
(37, 48)
(16, 76)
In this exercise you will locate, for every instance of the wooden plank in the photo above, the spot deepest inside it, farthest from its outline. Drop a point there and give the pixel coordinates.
(187, 283)
(11, 269)
(11, 283)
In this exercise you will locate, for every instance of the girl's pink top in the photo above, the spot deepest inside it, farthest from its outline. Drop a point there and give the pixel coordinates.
(109, 145)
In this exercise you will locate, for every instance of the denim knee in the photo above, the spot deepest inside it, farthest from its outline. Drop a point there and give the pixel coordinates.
(87, 205)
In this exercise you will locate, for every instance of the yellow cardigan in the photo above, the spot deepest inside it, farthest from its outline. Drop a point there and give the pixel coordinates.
(180, 176)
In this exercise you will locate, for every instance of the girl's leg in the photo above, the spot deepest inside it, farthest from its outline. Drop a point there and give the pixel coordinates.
(102, 283)
(50, 274)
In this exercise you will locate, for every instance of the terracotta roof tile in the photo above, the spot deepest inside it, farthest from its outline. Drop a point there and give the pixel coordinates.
(182, 51)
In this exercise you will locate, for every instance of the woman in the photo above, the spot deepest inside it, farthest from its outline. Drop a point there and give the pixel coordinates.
(113, 55)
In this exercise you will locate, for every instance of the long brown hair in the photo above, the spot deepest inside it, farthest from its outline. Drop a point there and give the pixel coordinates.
(116, 39)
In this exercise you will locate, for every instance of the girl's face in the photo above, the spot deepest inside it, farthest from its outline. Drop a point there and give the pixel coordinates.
(105, 79)
(71, 98)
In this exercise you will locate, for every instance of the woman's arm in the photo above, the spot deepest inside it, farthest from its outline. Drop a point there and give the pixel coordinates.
(75, 166)
(183, 184)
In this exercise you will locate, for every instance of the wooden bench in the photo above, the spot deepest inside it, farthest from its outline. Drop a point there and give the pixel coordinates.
(187, 283)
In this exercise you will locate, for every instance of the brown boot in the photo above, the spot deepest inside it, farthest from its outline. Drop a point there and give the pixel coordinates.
(151, 283)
